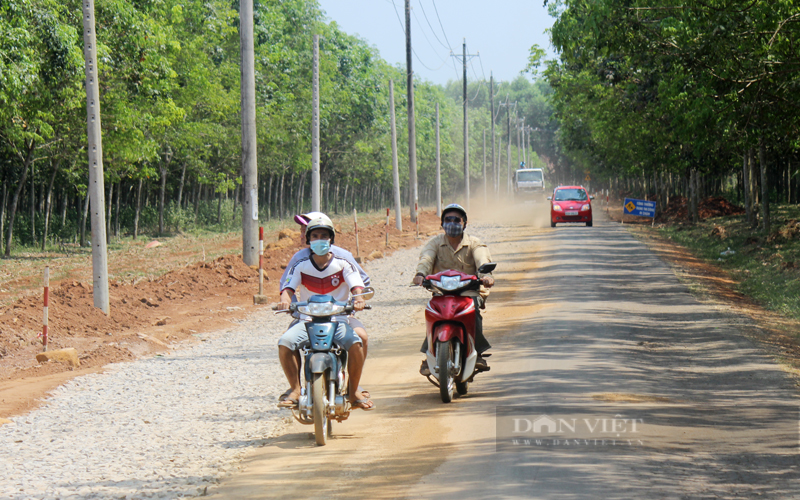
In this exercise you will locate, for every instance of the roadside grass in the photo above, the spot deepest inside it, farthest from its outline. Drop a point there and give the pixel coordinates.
(765, 269)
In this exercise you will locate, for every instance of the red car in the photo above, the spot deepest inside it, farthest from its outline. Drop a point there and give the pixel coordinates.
(570, 204)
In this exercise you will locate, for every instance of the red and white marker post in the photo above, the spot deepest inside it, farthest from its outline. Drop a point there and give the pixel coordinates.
(261, 260)
(46, 305)
(355, 225)
(387, 227)
(260, 298)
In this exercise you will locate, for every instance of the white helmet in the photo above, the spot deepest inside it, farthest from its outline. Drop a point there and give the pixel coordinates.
(320, 222)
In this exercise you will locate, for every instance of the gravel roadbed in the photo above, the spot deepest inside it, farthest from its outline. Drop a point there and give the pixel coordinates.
(170, 425)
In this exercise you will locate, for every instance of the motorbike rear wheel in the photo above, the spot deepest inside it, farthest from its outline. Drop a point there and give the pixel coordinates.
(322, 427)
(444, 359)
(462, 387)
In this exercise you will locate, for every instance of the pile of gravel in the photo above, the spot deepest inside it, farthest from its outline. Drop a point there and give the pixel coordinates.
(167, 426)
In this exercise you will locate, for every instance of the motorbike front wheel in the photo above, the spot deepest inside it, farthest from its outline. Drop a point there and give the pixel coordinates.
(322, 426)
(444, 359)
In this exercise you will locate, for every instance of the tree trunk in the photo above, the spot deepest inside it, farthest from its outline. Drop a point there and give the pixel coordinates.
(235, 200)
(12, 212)
(116, 209)
(139, 209)
(219, 208)
(108, 215)
(269, 197)
(198, 194)
(162, 193)
(748, 208)
(753, 187)
(336, 198)
(344, 198)
(83, 219)
(3, 214)
(64, 204)
(33, 203)
(47, 205)
(762, 160)
(280, 203)
(180, 186)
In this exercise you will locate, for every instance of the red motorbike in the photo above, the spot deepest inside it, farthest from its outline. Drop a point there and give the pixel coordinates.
(450, 329)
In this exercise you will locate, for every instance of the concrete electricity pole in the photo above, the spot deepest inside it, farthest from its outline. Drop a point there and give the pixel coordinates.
(484, 167)
(438, 168)
(249, 166)
(494, 164)
(315, 129)
(398, 216)
(413, 196)
(519, 134)
(466, 126)
(96, 182)
(466, 123)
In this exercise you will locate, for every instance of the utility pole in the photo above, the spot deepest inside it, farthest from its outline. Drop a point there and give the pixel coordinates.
(519, 149)
(494, 164)
(412, 135)
(398, 216)
(315, 128)
(438, 168)
(250, 244)
(466, 126)
(466, 123)
(484, 167)
(96, 182)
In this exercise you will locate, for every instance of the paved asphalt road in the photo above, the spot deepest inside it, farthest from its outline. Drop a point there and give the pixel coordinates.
(608, 380)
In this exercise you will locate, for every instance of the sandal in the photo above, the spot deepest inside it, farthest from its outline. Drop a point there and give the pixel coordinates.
(365, 404)
(285, 402)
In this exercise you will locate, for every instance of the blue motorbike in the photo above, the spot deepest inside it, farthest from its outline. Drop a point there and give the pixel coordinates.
(323, 397)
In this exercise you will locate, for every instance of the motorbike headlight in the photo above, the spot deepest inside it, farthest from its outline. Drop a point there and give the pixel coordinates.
(557, 208)
(321, 309)
(450, 282)
(586, 208)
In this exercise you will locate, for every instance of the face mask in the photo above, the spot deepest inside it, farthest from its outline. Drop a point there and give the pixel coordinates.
(320, 247)
(453, 229)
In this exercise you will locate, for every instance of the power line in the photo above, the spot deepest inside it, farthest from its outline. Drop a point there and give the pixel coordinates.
(440, 25)
(426, 36)
(403, 27)
(429, 25)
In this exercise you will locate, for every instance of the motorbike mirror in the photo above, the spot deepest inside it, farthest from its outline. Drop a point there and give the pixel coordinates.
(487, 268)
(367, 293)
(549, 197)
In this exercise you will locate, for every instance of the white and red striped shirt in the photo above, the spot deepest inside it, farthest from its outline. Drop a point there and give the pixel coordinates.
(336, 279)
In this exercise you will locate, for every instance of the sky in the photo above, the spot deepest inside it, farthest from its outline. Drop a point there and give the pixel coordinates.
(502, 32)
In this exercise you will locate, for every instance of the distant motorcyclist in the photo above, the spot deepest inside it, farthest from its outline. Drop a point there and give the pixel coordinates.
(455, 249)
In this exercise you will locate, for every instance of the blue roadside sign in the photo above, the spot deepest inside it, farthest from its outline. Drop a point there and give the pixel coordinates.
(642, 208)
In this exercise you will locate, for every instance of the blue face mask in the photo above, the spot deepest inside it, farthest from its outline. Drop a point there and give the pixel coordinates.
(453, 229)
(320, 247)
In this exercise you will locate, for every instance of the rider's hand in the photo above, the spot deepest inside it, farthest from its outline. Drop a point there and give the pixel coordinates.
(487, 281)
(282, 306)
(358, 304)
(418, 280)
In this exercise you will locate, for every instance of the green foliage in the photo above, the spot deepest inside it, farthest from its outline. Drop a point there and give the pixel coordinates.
(169, 79)
(653, 85)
